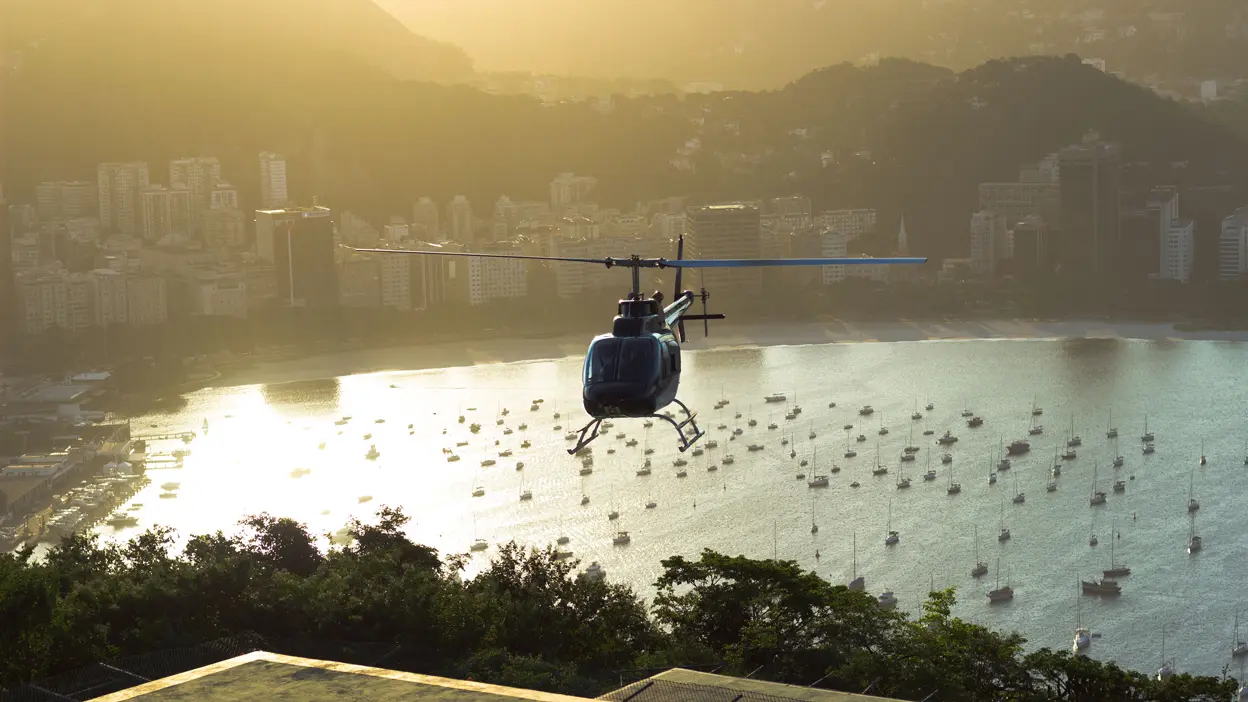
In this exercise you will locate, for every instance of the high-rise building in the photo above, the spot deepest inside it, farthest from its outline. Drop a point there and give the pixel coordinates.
(569, 190)
(223, 196)
(459, 219)
(851, 223)
(168, 213)
(62, 200)
(1232, 246)
(301, 241)
(111, 301)
(425, 223)
(794, 210)
(199, 175)
(223, 230)
(727, 231)
(396, 281)
(1178, 251)
(487, 279)
(833, 245)
(119, 187)
(1030, 237)
(989, 242)
(1091, 176)
(41, 301)
(1019, 200)
(273, 192)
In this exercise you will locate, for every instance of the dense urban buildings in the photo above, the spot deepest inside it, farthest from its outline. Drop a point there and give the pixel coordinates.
(302, 241)
(1091, 176)
(727, 231)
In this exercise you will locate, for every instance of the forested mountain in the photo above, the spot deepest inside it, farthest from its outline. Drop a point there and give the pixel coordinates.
(766, 43)
(899, 136)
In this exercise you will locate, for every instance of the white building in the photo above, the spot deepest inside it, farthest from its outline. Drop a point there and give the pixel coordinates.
(851, 223)
(273, 193)
(199, 175)
(223, 229)
(1178, 251)
(577, 227)
(79, 301)
(392, 234)
(833, 244)
(1233, 246)
(119, 188)
(569, 190)
(989, 242)
(459, 219)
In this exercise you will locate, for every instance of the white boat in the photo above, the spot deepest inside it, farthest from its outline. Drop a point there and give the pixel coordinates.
(954, 488)
(887, 600)
(1147, 436)
(595, 572)
(1149, 449)
(170, 486)
(775, 397)
(644, 470)
(947, 438)
(478, 491)
(1083, 638)
(1194, 542)
(372, 454)
(621, 538)
(364, 498)
(728, 460)
(526, 495)
(488, 462)
(122, 519)
(817, 481)
(479, 545)
(168, 495)
(1111, 431)
(980, 568)
(613, 515)
(1192, 504)
(1238, 648)
(1003, 533)
(866, 410)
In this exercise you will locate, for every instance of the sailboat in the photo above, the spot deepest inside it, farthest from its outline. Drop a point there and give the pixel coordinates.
(1075, 439)
(980, 568)
(1000, 594)
(814, 527)
(1036, 410)
(1194, 542)
(525, 493)
(858, 584)
(954, 488)
(931, 472)
(1192, 504)
(1098, 497)
(1115, 570)
(1118, 459)
(1167, 667)
(916, 415)
(1111, 431)
(1019, 498)
(1238, 648)
(1004, 533)
(1202, 452)
(1147, 436)
(892, 537)
(1083, 637)
(902, 481)
(477, 544)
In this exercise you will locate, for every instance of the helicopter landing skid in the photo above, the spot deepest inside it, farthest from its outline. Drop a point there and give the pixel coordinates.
(589, 432)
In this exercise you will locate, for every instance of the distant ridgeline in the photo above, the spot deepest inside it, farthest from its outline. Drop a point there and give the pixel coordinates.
(329, 86)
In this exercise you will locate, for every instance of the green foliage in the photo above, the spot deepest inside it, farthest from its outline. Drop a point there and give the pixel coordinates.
(527, 620)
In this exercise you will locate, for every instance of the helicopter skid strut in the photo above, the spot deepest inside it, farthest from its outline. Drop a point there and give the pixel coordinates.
(687, 439)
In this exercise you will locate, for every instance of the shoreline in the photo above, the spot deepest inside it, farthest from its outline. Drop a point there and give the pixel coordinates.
(479, 352)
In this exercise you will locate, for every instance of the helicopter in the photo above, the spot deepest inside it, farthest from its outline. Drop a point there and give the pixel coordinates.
(634, 371)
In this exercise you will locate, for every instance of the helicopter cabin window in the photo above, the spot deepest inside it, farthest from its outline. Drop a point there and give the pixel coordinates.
(622, 360)
(673, 352)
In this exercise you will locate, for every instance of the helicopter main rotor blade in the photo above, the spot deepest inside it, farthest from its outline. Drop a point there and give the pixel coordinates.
(767, 262)
(608, 262)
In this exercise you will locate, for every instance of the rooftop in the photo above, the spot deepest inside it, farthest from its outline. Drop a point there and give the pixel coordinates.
(271, 676)
(264, 675)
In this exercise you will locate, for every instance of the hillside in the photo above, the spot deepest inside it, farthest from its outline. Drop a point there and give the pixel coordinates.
(905, 136)
(756, 44)
(166, 30)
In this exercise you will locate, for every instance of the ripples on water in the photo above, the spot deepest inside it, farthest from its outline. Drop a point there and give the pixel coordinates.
(1190, 390)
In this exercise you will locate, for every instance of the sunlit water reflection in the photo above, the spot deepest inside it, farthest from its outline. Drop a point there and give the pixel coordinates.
(1190, 390)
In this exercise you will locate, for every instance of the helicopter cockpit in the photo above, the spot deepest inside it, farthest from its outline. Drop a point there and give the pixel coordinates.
(623, 376)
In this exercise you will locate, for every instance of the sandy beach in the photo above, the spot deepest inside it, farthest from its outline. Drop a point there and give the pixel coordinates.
(723, 336)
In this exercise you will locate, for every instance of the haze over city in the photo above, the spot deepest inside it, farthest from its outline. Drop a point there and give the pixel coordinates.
(821, 349)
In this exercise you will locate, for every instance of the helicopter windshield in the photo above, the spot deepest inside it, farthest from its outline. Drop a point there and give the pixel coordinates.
(622, 360)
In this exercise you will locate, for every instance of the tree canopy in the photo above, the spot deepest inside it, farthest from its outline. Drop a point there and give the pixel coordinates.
(527, 620)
